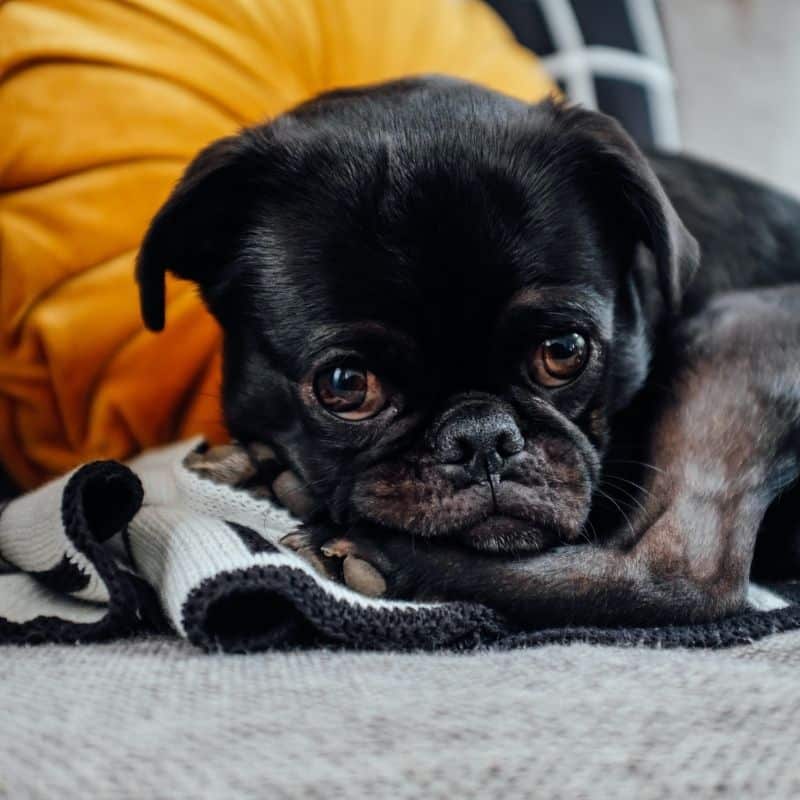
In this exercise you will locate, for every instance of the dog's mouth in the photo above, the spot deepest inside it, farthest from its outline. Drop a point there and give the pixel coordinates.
(514, 517)
(502, 516)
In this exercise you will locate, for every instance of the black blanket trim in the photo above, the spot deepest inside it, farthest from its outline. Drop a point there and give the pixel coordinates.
(284, 607)
(268, 607)
(740, 629)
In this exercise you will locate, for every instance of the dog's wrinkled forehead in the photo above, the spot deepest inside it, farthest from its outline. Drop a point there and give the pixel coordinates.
(433, 235)
(427, 187)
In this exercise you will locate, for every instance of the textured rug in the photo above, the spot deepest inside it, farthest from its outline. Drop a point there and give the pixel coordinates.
(110, 550)
(157, 718)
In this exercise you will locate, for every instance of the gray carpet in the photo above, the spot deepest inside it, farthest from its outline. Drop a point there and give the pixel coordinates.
(157, 718)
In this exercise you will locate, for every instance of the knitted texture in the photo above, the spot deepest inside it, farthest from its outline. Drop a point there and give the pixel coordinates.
(110, 549)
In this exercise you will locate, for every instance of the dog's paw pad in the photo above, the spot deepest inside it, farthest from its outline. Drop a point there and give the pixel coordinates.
(293, 494)
(359, 574)
(362, 577)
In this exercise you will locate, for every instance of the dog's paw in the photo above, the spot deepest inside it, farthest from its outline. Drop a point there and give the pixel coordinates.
(257, 470)
(306, 542)
(352, 558)
(230, 464)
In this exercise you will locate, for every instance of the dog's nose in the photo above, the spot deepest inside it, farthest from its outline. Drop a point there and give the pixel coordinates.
(479, 437)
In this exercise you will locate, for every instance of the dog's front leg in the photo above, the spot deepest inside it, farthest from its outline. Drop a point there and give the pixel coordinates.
(647, 584)
(724, 444)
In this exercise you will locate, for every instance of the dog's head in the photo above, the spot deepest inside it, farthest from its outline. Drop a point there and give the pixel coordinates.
(433, 299)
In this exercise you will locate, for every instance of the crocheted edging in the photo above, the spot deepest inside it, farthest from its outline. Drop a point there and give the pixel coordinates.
(728, 632)
(285, 607)
(304, 614)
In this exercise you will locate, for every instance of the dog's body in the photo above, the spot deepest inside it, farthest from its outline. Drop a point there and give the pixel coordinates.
(477, 330)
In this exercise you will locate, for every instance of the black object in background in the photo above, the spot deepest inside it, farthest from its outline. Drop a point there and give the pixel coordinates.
(609, 55)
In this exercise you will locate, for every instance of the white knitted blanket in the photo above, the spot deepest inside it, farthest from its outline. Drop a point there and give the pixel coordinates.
(111, 549)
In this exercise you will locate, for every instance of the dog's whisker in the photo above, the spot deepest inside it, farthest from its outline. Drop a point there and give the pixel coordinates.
(595, 537)
(628, 505)
(639, 463)
(629, 482)
(585, 536)
(618, 507)
(629, 495)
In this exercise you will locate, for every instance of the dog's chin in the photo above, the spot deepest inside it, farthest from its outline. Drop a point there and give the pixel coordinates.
(500, 533)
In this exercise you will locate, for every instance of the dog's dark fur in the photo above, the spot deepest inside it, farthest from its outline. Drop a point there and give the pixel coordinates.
(438, 232)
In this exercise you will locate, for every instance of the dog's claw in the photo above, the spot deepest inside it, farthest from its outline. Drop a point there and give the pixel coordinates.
(300, 542)
(337, 548)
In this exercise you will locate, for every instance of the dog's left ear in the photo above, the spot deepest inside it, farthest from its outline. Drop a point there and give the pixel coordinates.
(194, 233)
(630, 197)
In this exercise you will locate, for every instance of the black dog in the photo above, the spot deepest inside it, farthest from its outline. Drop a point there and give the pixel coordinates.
(479, 330)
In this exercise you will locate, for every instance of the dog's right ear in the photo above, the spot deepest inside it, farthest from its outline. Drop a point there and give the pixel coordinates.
(194, 232)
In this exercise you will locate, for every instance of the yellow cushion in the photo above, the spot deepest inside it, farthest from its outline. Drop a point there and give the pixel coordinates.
(102, 105)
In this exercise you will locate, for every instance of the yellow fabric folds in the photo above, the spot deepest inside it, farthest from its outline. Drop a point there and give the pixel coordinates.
(102, 104)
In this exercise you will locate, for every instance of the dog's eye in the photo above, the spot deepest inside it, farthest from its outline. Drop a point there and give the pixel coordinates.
(350, 391)
(557, 361)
